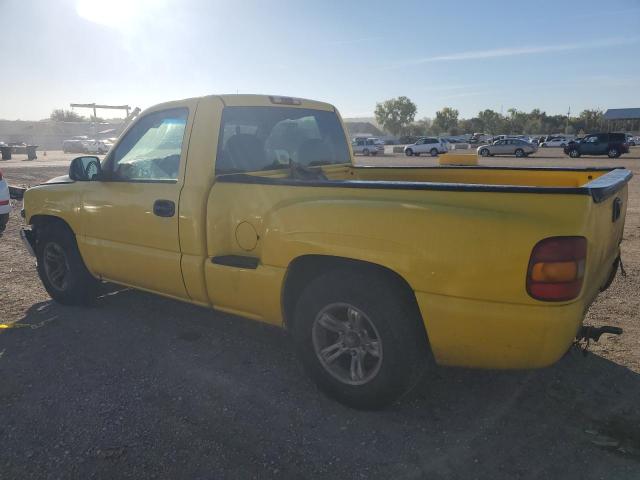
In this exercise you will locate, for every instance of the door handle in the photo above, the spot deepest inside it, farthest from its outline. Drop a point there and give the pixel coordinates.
(164, 208)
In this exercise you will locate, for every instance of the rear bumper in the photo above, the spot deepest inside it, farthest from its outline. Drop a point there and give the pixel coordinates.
(479, 334)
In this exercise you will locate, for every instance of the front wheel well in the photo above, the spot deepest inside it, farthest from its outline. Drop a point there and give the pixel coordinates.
(40, 222)
(305, 268)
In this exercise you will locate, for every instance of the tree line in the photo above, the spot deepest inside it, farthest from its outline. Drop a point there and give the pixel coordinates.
(62, 115)
(397, 116)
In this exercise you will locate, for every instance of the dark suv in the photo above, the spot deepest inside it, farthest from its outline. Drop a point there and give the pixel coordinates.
(611, 144)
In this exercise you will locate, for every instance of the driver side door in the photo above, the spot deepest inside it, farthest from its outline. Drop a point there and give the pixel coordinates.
(130, 215)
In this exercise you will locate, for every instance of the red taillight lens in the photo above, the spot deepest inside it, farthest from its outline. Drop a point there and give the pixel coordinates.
(556, 268)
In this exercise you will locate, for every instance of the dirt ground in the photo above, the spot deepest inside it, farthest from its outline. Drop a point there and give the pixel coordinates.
(140, 386)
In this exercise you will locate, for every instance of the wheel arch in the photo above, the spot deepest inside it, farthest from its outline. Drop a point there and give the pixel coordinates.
(42, 220)
(303, 269)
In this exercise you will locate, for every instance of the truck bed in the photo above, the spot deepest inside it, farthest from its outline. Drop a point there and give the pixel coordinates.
(599, 183)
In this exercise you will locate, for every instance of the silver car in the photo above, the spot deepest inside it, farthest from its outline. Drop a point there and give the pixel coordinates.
(508, 146)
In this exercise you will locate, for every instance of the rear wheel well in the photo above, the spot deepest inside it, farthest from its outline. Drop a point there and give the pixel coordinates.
(304, 269)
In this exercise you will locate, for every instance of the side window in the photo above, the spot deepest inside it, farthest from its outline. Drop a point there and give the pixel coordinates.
(603, 138)
(151, 149)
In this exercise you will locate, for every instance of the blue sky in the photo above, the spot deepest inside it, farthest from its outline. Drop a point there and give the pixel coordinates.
(467, 55)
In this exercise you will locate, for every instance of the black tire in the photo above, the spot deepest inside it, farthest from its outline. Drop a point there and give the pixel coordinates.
(4, 219)
(519, 152)
(77, 286)
(484, 152)
(434, 152)
(408, 152)
(403, 353)
(574, 153)
(613, 152)
(366, 152)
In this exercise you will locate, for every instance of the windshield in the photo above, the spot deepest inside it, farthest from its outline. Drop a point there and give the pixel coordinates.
(259, 138)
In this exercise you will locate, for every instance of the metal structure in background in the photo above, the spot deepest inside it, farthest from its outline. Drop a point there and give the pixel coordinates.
(130, 113)
(628, 118)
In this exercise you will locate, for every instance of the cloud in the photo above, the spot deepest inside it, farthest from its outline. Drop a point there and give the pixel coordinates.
(517, 51)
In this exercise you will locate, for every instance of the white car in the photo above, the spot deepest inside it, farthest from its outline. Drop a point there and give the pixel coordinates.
(5, 203)
(366, 146)
(100, 147)
(431, 145)
(556, 142)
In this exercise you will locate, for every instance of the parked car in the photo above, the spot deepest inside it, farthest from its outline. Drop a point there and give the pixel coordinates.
(361, 264)
(366, 146)
(508, 146)
(556, 142)
(611, 144)
(631, 140)
(431, 145)
(5, 203)
(75, 144)
(100, 147)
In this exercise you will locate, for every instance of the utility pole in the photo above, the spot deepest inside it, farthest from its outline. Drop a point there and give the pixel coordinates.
(568, 115)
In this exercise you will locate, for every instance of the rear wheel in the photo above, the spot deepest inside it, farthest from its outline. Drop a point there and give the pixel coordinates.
(408, 152)
(613, 152)
(574, 153)
(366, 152)
(519, 153)
(61, 268)
(4, 219)
(360, 338)
(434, 152)
(484, 152)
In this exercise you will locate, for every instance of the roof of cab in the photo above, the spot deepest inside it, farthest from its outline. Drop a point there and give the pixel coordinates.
(246, 100)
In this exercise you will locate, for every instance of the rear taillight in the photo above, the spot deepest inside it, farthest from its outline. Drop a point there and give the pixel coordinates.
(556, 268)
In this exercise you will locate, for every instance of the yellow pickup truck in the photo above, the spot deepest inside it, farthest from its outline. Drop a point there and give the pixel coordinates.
(250, 204)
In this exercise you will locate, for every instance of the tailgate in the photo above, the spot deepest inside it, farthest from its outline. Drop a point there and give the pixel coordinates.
(605, 228)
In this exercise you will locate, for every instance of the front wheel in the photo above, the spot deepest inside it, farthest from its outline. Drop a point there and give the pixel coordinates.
(484, 152)
(360, 338)
(613, 152)
(61, 268)
(408, 152)
(434, 152)
(519, 153)
(573, 153)
(366, 152)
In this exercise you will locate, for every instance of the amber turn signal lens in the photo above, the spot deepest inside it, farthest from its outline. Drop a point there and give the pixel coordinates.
(554, 271)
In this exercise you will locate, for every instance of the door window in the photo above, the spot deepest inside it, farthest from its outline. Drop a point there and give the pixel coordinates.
(151, 149)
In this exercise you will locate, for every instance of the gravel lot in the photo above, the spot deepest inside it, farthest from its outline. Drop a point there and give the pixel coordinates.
(140, 386)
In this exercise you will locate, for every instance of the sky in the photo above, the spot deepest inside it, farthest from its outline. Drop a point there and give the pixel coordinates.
(353, 54)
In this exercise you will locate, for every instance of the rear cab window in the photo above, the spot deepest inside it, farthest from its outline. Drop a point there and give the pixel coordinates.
(262, 138)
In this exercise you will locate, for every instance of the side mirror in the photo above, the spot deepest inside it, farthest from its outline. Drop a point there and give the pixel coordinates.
(85, 169)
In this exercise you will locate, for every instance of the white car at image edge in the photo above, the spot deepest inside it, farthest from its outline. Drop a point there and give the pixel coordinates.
(5, 203)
